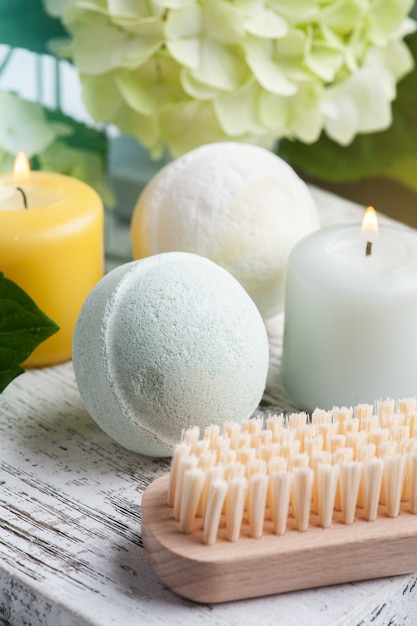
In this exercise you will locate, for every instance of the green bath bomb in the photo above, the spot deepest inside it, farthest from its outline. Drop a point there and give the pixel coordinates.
(166, 343)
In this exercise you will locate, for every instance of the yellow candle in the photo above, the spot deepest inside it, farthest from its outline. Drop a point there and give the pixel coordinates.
(51, 245)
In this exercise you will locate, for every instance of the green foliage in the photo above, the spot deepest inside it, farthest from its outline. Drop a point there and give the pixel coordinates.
(82, 153)
(24, 24)
(82, 137)
(23, 326)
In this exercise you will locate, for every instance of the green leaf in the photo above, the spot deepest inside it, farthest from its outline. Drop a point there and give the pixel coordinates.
(25, 24)
(369, 155)
(81, 137)
(23, 326)
(54, 142)
(82, 154)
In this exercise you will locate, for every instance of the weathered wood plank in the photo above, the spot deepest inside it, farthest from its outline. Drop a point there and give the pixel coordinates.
(71, 551)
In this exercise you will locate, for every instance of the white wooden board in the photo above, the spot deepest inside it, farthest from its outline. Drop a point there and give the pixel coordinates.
(71, 551)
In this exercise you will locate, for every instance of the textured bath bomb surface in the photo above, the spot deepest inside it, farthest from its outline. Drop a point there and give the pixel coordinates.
(237, 204)
(165, 343)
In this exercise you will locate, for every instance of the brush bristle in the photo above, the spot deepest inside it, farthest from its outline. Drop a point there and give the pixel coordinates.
(361, 462)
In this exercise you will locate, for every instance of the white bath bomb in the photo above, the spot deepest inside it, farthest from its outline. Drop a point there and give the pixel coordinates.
(237, 204)
(165, 343)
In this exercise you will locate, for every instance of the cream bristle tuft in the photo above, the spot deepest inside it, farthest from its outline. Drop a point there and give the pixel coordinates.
(363, 411)
(327, 480)
(350, 473)
(213, 473)
(181, 450)
(341, 455)
(325, 457)
(280, 489)
(190, 435)
(258, 488)
(284, 467)
(245, 455)
(372, 480)
(301, 498)
(297, 420)
(231, 429)
(235, 505)
(336, 442)
(253, 425)
(216, 498)
(412, 474)
(191, 491)
(407, 405)
(319, 416)
(394, 468)
(212, 433)
(385, 407)
(185, 463)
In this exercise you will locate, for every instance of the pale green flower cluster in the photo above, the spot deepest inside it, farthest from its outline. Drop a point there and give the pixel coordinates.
(181, 73)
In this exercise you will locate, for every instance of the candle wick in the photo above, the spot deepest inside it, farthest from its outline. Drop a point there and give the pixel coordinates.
(368, 251)
(24, 197)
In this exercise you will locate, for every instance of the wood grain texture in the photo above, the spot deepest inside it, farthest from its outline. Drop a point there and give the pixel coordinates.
(71, 547)
(256, 567)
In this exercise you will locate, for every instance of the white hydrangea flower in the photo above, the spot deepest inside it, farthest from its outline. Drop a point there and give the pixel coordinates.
(26, 127)
(180, 73)
(362, 102)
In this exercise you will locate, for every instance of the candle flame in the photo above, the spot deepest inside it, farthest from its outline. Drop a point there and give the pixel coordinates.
(21, 170)
(370, 222)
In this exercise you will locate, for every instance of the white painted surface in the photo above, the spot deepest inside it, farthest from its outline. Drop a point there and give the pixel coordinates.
(71, 552)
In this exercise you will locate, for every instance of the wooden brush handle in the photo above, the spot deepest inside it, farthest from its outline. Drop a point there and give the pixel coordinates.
(273, 564)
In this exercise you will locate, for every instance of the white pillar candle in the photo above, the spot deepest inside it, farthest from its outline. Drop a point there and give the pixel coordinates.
(350, 317)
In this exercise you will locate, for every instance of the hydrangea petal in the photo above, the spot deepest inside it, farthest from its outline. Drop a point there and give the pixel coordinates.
(249, 7)
(189, 125)
(220, 66)
(25, 126)
(174, 4)
(259, 55)
(406, 27)
(266, 24)
(341, 16)
(386, 17)
(185, 51)
(183, 23)
(222, 22)
(238, 112)
(396, 56)
(341, 121)
(90, 5)
(292, 45)
(306, 120)
(119, 12)
(360, 104)
(324, 61)
(155, 86)
(195, 88)
(132, 8)
(99, 47)
(299, 12)
(101, 96)
(274, 113)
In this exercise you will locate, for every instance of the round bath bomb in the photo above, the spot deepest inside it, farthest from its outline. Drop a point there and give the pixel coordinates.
(166, 343)
(237, 204)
